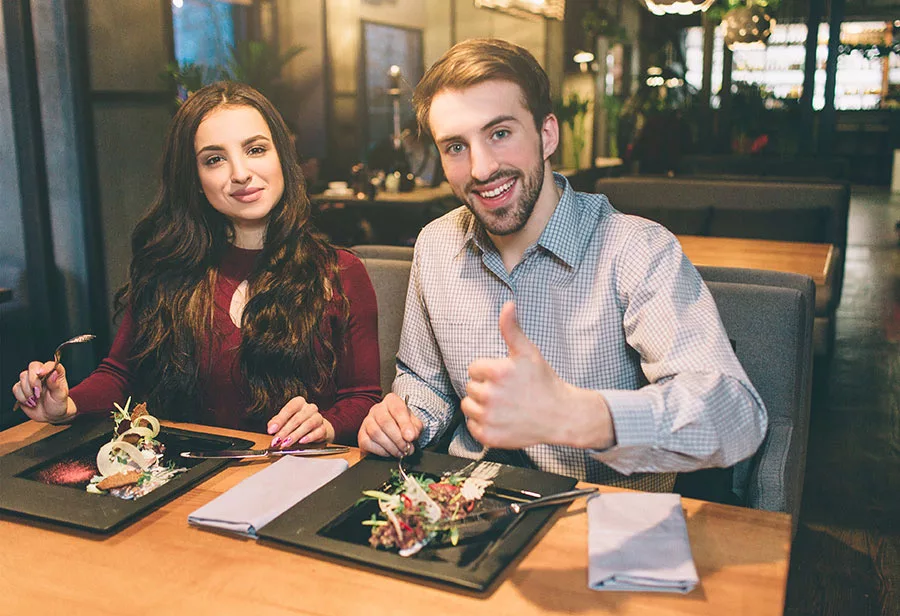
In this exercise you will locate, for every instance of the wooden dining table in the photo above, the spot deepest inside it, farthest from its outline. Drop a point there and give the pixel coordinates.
(161, 565)
(814, 260)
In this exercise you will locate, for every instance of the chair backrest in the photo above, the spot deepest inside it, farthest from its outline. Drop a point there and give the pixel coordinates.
(383, 251)
(769, 318)
(390, 278)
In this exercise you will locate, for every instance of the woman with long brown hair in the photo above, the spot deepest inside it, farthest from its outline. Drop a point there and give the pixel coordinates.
(235, 313)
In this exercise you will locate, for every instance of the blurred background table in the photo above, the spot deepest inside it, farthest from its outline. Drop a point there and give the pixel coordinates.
(813, 260)
(393, 218)
(161, 565)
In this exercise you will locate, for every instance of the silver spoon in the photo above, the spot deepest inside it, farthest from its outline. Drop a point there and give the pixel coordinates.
(56, 357)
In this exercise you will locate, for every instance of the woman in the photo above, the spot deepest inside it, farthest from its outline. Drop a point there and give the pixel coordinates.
(235, 313)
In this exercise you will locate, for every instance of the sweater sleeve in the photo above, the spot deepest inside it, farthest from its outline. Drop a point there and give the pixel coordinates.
(357, 379)
(113, 380)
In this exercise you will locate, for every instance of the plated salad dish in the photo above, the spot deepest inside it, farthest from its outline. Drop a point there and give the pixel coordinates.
(131, 464)
(418, 509)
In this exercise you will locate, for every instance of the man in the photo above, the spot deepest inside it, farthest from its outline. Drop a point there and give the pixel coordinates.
(557, 326)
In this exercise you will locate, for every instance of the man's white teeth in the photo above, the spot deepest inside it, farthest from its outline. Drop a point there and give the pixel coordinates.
(490, 194)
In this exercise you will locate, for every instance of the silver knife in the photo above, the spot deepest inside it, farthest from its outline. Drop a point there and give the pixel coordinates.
(240, 454)
(513, 509)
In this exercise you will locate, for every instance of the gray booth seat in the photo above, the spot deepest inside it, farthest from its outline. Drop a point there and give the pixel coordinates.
(390, 278)
(773, 210)
(383, 251)
(388, 268)
(795, 168)
(769, 318)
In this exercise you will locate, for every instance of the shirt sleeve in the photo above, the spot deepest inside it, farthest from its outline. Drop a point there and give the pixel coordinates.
(357, 381)
(421, 373)
(113, 380)
(699, 408)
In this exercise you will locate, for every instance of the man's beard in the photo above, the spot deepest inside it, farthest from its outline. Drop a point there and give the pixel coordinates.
(513, 217)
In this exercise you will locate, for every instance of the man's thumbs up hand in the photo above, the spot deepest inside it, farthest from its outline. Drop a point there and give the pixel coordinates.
(514, 401)
(516, 341)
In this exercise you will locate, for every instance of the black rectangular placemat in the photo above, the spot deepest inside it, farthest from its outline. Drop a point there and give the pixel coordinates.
(329, 521)
(47, 479)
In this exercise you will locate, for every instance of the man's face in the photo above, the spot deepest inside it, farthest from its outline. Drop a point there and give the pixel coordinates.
(492, 153)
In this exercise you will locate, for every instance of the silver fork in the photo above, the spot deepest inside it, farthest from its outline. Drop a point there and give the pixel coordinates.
(57, 354)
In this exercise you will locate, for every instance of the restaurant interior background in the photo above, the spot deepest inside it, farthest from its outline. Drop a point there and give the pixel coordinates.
(87, 88)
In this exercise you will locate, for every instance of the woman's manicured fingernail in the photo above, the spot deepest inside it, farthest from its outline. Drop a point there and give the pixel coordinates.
(37, 391)
(31, 402)
(272, 429)
(285, 442)
(54, 377)
(304, 439)
(275, 442)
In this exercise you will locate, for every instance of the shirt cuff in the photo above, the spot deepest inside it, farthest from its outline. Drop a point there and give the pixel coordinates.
(635, 429)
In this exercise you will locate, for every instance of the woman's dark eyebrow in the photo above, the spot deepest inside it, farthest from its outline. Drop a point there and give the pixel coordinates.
(244, 143)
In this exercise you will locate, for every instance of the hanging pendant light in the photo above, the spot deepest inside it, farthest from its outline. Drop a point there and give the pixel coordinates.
(677, 7)
(550, 9)
(747, 26)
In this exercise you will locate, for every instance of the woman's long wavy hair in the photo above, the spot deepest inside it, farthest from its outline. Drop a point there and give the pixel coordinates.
(176, 249)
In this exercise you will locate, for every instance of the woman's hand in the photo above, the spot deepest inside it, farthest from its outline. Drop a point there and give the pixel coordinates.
(47, 402)
(299, 422)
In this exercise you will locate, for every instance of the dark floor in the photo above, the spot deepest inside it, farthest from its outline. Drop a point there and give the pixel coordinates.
(846, 555)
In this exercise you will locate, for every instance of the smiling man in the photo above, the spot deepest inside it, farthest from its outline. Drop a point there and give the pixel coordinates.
(542, 322)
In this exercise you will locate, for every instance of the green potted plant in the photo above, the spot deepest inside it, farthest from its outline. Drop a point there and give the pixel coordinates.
(572, 111)
(256, 63)
(598, 21)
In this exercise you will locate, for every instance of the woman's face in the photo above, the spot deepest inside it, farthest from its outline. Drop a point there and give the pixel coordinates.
(239, 170)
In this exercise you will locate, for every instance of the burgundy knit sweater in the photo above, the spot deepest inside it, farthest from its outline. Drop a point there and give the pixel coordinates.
(224, 391)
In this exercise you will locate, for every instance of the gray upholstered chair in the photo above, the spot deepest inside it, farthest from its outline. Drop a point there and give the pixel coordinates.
(769, 318)
(390, 278)
(383, 251)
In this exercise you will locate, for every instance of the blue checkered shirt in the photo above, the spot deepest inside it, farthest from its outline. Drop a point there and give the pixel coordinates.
(614, 306)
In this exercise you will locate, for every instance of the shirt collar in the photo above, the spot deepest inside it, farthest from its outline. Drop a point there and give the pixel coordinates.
(566, 234)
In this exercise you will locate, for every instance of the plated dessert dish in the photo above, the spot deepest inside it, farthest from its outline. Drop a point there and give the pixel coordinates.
(131, 464)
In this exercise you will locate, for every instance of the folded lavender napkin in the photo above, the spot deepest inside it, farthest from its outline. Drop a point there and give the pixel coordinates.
(639, 541)
(262, 497)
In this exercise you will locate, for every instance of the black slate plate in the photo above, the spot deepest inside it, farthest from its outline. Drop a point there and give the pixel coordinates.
(46, 479)
(329, 522)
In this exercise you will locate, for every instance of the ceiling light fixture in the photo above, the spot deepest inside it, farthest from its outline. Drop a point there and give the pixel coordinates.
(583, 59)
(677, 7)
(551, 9)
(747, 27)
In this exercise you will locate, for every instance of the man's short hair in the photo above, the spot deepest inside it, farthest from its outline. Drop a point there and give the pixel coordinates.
(475, 61)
